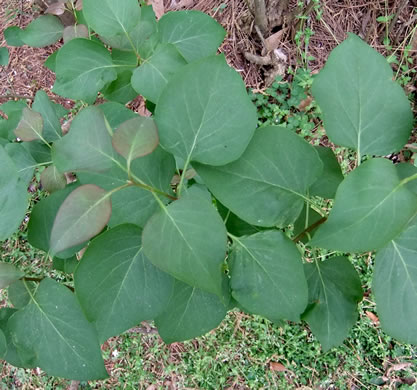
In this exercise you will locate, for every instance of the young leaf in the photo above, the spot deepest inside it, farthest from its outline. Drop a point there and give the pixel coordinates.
(363, 108)
(190, 313)
(136, 138)
(43, 31)
(332, 175)
(23, 161)
(87, 146)
(267, 276)
(395, 285)
(109, 18)
(52, 180)
(3, 345)
(84, 213)
(334, 292)
(135, 205)
(120, 90)
(75, 31)
(275, 183)
(116, 284)
(51, 124)
(42, 219)
(12, 36)
(187, 254)
(9, 274)
(371, 208)
(53, 326)
(13, 196)
(151, 77)
(4, 56)
(30, 127)
(195, 34)
(204, 114)
(83, 68)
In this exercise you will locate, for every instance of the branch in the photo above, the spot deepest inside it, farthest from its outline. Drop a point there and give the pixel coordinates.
(310, 228)
(260, 15)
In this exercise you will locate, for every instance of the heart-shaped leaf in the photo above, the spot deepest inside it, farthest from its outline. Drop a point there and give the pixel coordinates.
(204, 114)
(334, 292)
(43, 31)
(75, 31)
(53, 326)
(84, 213)
(136, 138)
(371, 207)
(30, 126)
(267, 276)
(363, 108)
(117, 285)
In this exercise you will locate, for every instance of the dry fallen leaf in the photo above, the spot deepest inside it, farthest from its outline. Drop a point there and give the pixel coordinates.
(372, 317)
(305, 103)
(158, 7)
(56, 9)
(274, 41)
(275, 366)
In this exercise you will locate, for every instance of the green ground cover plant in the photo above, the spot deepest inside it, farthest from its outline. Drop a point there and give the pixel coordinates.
(185, 254)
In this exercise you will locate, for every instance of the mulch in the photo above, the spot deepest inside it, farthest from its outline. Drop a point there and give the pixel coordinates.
(329, 21)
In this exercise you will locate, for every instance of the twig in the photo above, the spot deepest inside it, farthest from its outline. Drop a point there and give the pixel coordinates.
(260, 15)
(396, 16)
(310, 228)
(13, 96)
(258, 60)
(247, 2)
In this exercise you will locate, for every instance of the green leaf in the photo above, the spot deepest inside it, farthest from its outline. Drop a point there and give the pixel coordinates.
(75, 31)
(120, 90)
(87, 146)
(42, 219)
(54, 327)
(190, 313)
(125, 60)
(234, 224)
(187, 254)
(371, 208)
(195, 34)
(82, 215)
(151, 77)
(116, 113)
(204, 114)
(267, 276)
(406, 170)
(135, 205)
(23, 161)
(12, 36)
(65, 265)
(4, 56)
(109, 18)
(13, 110)
(395, 285)
(19, 295)
(50, 62)
(30, 126)
(51, 124)
(52, 180)
(116, 284)
(13, 196)
(83, 68)
(137, 39)
(9, 274)
(39, 151)
(334, 292)
(136, 138)
(308, 217)
(332, 175)
(363, 108)
(275, 183)
(43, 31)
(17, 357)
(3, 345)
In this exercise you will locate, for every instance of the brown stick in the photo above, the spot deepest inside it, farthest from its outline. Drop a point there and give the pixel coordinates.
(310, 228)
(260, 15)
